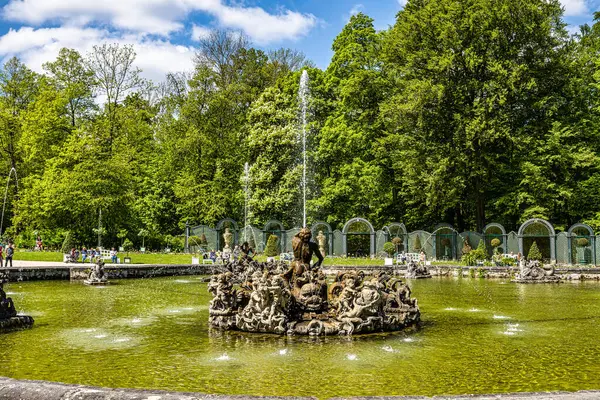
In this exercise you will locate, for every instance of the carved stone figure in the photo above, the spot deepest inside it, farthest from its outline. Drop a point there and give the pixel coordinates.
(9, 319)
(534, 272)
(322, 240)
(228, 239)
(97, 275)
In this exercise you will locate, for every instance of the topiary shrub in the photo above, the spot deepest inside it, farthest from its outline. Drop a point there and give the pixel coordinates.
(127, 245)
(389, 248)
(272, 248)
(583, 242)
(68, 243)
(195, 241)
(397, 242)
(417, 244)
(534, 252)
(495, 243)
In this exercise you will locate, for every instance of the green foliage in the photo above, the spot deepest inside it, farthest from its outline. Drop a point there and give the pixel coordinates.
(495, 242)
(508, 261)
(582, 242)
(473, 256)
(534, 253)
(196, 241)
(389, 248)
(127, 245)
(462, 112)
(68, 243)
(272, 248)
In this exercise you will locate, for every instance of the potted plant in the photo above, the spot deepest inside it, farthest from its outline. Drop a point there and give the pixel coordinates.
(127, 246)
(143, 233)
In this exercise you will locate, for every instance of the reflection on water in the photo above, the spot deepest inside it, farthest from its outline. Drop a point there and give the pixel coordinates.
(477, 336)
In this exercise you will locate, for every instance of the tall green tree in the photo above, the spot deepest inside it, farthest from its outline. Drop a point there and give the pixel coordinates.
(351, 179)
(477, 87)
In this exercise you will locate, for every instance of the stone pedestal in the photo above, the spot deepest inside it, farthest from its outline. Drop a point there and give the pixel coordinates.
(15, 323)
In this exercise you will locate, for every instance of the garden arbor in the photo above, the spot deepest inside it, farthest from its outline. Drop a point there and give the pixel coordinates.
(542, 233)
(445, 241)
(397, 230)
(495, 231)
(582, 244)
(358, 233)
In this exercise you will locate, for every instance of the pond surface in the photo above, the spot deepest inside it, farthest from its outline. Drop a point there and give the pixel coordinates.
(478, 336)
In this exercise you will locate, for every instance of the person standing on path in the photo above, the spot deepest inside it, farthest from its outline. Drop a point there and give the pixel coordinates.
(10, 250)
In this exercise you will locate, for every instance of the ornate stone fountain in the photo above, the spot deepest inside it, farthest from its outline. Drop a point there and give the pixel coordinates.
(534, 272)
(415, 270)
(97, 275)
(270, 299)
(9, 319)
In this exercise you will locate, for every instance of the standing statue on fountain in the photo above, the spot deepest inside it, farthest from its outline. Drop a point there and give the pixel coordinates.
(303, 249)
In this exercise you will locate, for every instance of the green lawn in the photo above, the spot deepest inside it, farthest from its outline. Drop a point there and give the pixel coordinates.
(136, 258)
(165, 258)
(38, 256)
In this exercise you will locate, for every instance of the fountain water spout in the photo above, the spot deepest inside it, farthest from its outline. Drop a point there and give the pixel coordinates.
(304, 95)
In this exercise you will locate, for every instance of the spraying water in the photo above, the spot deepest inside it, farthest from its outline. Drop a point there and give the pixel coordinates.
(246, 180)
(304, 93)
(6, 193)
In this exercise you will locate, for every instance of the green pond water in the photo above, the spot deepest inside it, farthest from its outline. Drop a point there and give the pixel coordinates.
(477, 336)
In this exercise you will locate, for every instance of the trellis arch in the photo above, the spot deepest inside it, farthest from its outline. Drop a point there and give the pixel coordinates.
(488, 236)
(551, 236)
(402, 228)
(572, 234)
(329, 234)
(219, 229)
(453, 237)
(345, 234)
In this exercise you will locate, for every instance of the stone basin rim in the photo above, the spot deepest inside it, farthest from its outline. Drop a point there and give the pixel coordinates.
(24, 389)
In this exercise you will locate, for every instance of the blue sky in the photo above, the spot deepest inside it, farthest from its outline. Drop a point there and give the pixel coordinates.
(164, 32)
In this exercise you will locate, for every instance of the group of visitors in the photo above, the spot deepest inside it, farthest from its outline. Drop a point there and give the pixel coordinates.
(91, 254)
(404, 258)
(239, 252)
(7, 255)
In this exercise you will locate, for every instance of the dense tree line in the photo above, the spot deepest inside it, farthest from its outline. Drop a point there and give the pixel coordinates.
(463, 111)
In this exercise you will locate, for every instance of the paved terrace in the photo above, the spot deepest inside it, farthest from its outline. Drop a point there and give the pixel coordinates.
(43, 270)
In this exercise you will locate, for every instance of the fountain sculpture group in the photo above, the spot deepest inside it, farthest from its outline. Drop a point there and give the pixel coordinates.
(275, 298)
(97, 275)
(9, 319)
(416, 270)
(533, 272)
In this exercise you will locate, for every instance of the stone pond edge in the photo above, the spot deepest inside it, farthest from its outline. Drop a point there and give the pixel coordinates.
(43, 390)
(80, 272)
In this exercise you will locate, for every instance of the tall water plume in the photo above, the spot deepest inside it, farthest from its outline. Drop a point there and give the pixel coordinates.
(304, 94)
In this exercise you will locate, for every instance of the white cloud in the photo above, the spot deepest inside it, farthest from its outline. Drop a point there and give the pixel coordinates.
(37, 46)
(356, 9)
(263, 27)
(161, 17)
(199, 32)
(574, 7)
